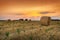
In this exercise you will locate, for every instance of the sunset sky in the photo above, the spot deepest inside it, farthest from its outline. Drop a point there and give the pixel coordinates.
(31, 9)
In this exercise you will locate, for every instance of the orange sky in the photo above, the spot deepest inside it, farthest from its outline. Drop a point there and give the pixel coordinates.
(32, 9)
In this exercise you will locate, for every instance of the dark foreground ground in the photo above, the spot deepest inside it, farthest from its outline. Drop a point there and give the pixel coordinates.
(29, 30)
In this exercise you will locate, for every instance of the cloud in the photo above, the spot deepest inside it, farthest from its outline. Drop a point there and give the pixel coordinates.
(55, 17)
(19, 14)
(46, 12)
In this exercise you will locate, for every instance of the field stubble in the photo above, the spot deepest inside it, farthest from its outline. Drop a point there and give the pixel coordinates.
(28, 30)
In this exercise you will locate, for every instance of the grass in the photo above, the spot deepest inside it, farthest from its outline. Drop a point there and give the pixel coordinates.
(51, 37)
(7, 34)
(27, 29)
(18, 31)
(49, 29)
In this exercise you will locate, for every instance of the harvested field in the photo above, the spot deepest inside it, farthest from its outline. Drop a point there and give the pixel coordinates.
(29, 30)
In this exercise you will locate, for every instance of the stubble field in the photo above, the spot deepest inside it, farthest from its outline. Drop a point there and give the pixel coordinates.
(29, 30)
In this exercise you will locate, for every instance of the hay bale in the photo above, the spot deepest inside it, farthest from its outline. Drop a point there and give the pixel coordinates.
(45, 20)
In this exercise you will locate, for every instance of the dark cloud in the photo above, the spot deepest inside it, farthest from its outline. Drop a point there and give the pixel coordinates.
(46, 12)
(19, 14)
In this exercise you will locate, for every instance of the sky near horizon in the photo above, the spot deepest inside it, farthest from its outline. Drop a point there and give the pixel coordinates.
(31, 9)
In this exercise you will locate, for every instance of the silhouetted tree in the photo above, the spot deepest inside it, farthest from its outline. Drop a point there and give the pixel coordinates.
(21, 19)
(9, 19)
(29, 19)
(26, 19)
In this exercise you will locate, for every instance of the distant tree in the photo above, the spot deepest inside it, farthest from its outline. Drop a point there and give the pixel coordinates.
(21, 19)
(9, 19)
(26, 19)
(29, 19)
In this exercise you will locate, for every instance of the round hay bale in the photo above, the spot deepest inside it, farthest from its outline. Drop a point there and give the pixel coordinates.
(45, 20)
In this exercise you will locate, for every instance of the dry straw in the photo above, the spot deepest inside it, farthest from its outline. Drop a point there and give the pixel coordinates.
(45, 20)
